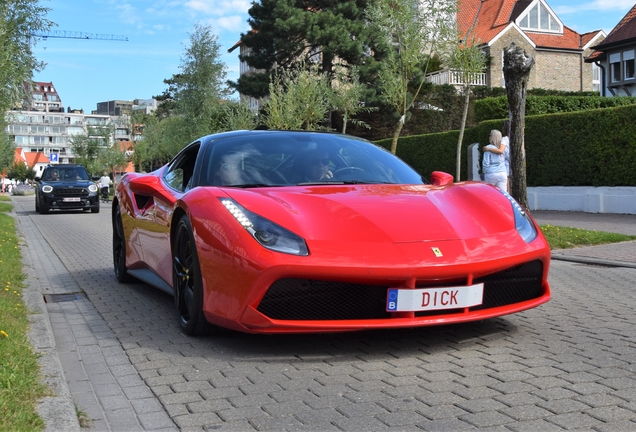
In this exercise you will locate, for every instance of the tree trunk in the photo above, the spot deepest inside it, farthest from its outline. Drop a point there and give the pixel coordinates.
(461, 132)
(396, 135)
(516, 69)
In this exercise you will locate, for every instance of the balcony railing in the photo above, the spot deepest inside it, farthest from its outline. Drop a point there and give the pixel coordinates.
(454, 77)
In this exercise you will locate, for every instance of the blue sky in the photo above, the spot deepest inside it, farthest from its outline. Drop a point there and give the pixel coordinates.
(89, 71)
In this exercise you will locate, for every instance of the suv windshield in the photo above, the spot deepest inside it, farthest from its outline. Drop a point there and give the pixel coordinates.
(66, 174)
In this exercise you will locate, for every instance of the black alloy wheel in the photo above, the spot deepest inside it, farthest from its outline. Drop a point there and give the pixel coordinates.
(119, 248)
(187, 282)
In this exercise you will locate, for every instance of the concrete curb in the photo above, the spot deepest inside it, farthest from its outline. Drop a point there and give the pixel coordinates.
(594, 261)
(58, 410)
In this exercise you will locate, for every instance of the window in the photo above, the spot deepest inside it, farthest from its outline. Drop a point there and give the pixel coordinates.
(615, 67)
(180, 171)
(539, 18)
(72, 130)
(596, 78)
(628, 64)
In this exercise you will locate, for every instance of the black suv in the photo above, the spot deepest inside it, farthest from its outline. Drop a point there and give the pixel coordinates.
(66, 187)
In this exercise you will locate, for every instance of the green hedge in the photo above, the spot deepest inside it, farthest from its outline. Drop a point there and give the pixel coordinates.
(435, 152)
(589, 148)
(497, 107)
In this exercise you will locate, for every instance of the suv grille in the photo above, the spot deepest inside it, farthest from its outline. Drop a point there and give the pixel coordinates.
(307, 299)
(70, 192)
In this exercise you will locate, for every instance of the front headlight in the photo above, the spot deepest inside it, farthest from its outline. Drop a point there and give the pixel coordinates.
(523, 223)
(266, 232)
(92, 188)
(47, 189)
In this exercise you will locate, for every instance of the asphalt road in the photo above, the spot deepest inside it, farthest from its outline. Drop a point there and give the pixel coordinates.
(568, 364)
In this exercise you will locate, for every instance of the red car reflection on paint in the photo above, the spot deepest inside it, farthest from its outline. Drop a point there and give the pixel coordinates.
(284, 232)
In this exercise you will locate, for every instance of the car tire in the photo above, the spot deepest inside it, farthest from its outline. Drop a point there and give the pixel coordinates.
(187, 282)
(119, 249)
(37, 204)
(42, 209)
(95, 209)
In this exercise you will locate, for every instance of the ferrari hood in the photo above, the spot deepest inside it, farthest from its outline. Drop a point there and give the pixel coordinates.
(383, 213)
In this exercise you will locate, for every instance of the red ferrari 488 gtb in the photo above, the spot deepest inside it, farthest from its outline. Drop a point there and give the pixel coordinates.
(279, 231)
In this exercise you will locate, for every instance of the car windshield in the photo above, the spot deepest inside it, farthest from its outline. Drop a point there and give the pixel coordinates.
(300, 158)
(66, 174)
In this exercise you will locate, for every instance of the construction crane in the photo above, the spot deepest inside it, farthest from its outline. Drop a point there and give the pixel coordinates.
(77, 35)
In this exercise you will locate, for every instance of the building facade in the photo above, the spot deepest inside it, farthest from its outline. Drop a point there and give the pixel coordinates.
(615, 58)
(46, 129)
(559, 52)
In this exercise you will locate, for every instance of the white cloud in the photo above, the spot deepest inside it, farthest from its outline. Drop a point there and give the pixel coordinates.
(218, 7)
(233, 23)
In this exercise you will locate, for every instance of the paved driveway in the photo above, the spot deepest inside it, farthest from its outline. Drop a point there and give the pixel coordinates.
(569, 364)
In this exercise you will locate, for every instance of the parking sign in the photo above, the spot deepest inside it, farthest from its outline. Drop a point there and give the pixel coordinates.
(54, 158)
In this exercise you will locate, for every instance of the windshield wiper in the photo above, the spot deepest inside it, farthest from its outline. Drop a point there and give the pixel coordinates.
(255, 185)
(322, 182)
(341, 182)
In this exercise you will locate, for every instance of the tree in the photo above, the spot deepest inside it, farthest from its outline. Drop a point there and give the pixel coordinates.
(193, 98)
(113, 158)
(284, 32)
(7, 152)
(18, 18)
(468, 60)
(238, 116)
(413, 31)
(299, 99)
(88, 146)
(347, 95)
(19, 171)
(516, 69)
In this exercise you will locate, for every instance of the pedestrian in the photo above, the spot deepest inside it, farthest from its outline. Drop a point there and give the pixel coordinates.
(493, 165)
(504, 149)
(104, 184)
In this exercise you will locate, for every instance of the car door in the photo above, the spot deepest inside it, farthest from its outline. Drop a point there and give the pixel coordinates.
(155, 239)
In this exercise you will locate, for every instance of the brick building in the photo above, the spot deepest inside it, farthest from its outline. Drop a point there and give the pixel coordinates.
(559, 51)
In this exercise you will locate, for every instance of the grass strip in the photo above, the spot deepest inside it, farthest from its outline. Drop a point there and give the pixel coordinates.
(568, 237)
(20, 386)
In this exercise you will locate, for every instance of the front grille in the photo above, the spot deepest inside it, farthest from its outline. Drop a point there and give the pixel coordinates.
(70, 192)
(307, 299)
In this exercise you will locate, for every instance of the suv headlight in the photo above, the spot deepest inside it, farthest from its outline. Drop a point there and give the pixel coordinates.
(523, 223)
(266, 232)
(47, 189)
(92, 188)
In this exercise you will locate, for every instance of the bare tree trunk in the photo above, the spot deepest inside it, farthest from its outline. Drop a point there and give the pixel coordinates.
(461, 132)
(345, 118)
(396, 135)
(516, 69)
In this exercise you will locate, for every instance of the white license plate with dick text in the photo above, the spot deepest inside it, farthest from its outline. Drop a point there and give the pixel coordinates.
(413, 300)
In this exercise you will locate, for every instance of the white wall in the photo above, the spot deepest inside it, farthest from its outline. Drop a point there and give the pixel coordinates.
(583, 199)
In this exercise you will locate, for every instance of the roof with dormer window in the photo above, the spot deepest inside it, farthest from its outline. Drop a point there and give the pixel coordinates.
(487, 19)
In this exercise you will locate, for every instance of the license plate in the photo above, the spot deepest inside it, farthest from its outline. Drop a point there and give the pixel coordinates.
(425, 299)
(71, 199)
